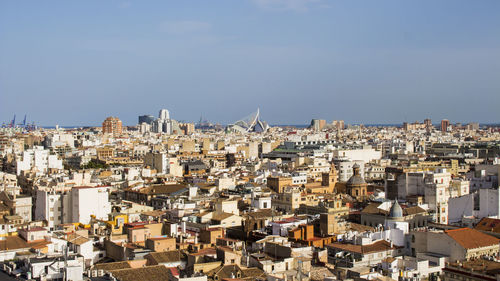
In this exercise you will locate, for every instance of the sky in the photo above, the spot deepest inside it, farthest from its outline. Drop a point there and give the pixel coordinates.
(73, 63)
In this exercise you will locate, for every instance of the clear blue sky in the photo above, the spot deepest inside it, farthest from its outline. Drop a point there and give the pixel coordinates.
(76, 62)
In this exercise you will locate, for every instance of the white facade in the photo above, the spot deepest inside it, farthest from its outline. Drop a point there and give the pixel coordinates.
(38, 159)
(87, 201)
(366, 154)
(436, 194)
(163, 164)
(261, 202)
(346, 171)
(483, 203)
(76, 205)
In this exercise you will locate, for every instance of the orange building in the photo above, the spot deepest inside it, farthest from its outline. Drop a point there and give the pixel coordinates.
(445, 124)
(112, 125)
(304, 234)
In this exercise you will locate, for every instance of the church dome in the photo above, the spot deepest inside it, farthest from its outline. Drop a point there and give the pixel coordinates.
(396, 211)
(356, 178)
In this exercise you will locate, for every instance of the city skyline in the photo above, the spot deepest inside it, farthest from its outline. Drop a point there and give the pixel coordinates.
(373, 63)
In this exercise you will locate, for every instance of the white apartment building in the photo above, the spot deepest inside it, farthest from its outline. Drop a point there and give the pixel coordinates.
(77, 205)
(163, 164)
(38, 159)
(437, 194)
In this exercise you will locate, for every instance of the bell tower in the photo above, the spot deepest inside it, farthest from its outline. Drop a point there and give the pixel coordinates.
(329, 179)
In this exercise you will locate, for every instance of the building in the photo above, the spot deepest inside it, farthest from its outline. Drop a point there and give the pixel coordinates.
(77, 205)
(356, 185)
(317, 124)
(163, 164)
(351, 255)
(112, 125)
(457, 244)
(445, 125)
(251, 123)
(338, 125)
(390, 215)
(38, 160)
(148, 119)
(479, 269)
(428, 123)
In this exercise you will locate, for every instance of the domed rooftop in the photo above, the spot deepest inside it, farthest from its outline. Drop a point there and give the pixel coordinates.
(396, 211)
(356, 178)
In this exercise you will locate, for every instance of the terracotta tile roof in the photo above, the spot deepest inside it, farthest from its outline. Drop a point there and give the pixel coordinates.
(378, 246)
(77, 239)
(148, 273)
(479, 266)
(163, 189)
(488, 224)
(13, 243)
(222, 216)
(252, 272)
(163, 257)
(112, 265)
(413, 210)
(359, 227)
(373, 209)
(470, 238)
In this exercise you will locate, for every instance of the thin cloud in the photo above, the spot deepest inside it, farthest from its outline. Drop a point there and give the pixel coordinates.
(293, 5)
(125, 5)
(182, 27)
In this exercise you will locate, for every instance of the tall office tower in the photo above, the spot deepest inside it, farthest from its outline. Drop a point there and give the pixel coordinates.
(317, 124)
(163, 124)
(164, 114)
(428, 123)
(445, 123)
(146, 119)
(112, 125)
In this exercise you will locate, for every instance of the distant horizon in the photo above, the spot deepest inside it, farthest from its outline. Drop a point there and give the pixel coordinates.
(281, 125)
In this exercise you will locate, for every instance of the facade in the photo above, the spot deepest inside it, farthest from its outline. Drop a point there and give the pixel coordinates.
(38, 160)
(317, 124)
(76, 205)
(393, 215)
(457, 244)
(112, 125)
(356, 185)
(163, 164)
(148, 119)
(445, 124)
